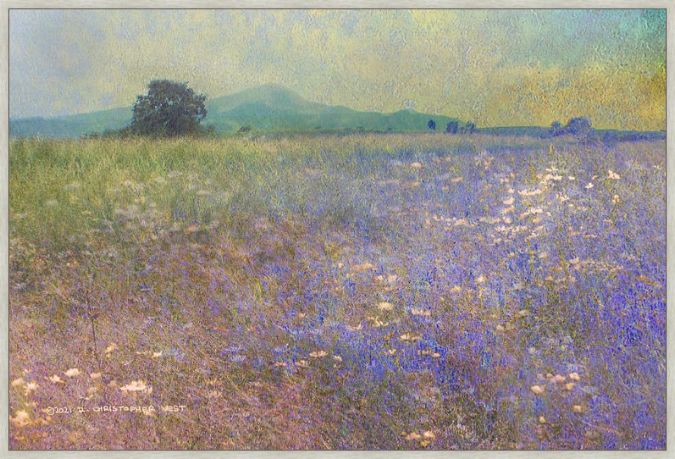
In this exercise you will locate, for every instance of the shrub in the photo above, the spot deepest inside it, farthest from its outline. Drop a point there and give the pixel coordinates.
(452, 127)
(579, 126)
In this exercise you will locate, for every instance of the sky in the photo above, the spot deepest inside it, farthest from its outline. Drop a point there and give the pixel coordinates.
(494, 67)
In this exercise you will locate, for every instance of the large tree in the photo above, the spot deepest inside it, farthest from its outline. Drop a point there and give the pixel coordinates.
(168, 109)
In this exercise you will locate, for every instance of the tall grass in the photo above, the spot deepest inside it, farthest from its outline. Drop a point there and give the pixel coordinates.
(358, 292)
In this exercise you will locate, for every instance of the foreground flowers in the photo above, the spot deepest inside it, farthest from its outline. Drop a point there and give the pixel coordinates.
(137, 386)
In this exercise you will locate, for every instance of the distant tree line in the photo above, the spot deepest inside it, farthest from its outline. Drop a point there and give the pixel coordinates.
(453, 127)
(578, 127)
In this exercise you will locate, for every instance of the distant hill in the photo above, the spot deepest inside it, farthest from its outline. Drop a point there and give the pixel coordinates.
(266, 108)
(70, 126)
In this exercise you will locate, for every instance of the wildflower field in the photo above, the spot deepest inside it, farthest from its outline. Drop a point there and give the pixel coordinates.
(337, 292)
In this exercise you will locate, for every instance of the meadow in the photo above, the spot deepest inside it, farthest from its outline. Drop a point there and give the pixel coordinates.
(337, 292)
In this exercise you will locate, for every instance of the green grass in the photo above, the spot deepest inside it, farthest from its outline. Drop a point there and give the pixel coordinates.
(61, 190)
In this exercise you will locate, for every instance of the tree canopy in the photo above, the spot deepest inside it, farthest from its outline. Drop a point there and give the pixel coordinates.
(169, 109)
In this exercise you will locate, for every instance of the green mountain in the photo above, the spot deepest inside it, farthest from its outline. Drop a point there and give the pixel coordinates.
(266, 108)
(71, 125)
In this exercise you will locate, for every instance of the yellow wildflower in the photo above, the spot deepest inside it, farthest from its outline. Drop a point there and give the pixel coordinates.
(385, 306)
(558, 379)
(136, 386)
(21, 418)
(111, 347)
(56, 379)
(318, 354)
(538, 390)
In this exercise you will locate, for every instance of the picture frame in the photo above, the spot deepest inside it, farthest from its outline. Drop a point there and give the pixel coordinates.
(6, 5)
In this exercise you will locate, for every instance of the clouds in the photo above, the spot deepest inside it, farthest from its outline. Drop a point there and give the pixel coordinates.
(496, 67)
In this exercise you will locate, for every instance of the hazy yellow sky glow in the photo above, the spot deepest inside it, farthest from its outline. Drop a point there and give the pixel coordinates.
(496, 67)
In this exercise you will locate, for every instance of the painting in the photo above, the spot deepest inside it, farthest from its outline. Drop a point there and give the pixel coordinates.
(337, 229)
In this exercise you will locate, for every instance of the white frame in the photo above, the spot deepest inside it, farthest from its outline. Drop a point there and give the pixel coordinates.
(5, 5)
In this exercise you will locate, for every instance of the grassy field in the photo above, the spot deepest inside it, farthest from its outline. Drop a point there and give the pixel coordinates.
(355, 292)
